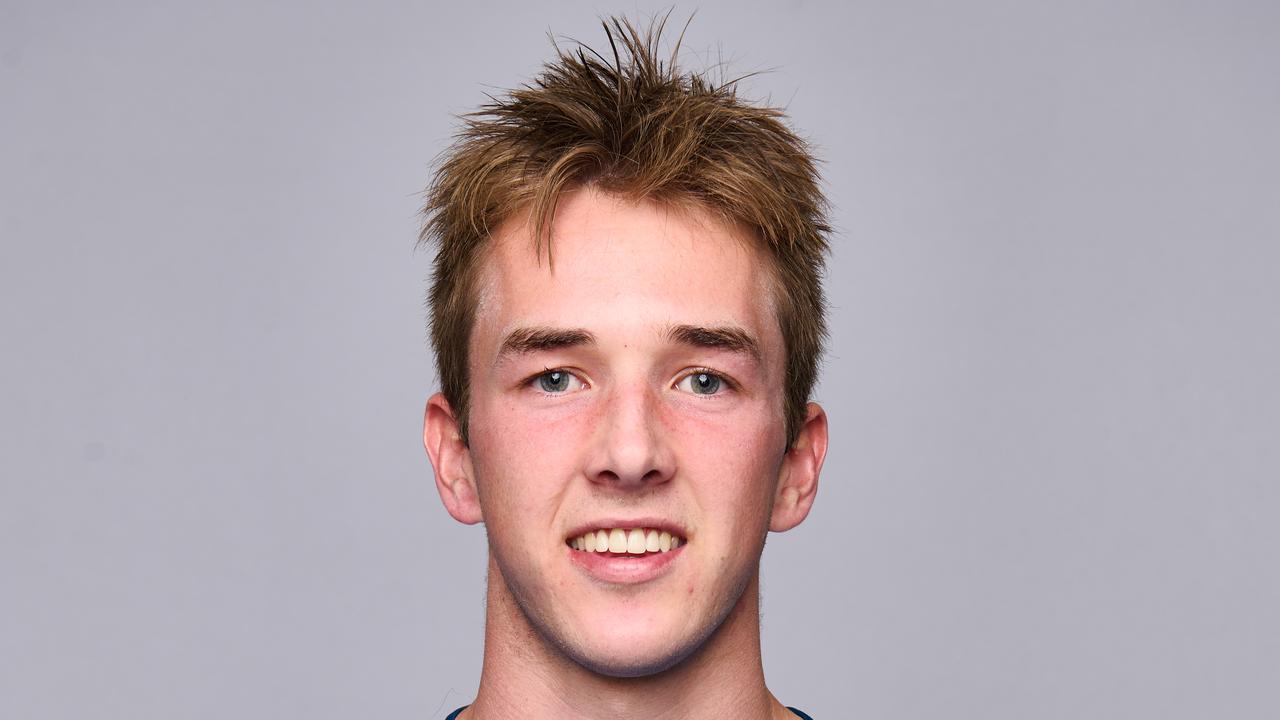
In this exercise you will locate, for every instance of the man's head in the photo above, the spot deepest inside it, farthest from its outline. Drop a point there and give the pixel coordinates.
(630, 419)
(634, 126)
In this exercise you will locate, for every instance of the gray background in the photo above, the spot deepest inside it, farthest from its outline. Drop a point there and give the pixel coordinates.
(1053, 384)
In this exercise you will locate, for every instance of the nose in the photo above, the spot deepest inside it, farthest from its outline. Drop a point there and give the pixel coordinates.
(630, 449)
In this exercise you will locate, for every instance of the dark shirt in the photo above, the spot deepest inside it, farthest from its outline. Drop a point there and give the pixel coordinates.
(454, 715)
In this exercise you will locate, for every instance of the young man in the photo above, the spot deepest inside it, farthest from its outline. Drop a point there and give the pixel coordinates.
(627, 318)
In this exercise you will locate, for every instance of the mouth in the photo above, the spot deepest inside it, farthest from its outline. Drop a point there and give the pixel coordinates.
(625, 542)
(626, 553)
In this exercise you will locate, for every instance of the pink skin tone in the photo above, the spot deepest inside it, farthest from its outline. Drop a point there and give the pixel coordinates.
(637, 434)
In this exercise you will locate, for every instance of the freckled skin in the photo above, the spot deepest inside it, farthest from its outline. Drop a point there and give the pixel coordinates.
(630, 438)
(626, 273)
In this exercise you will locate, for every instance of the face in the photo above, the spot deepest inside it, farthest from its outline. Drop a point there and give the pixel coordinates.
(627, 447)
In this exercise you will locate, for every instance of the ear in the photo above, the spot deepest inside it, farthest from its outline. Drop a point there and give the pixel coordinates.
(451, 459)
(798, 479)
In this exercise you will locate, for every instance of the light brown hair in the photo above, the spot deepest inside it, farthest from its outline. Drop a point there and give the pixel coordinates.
(635, 126)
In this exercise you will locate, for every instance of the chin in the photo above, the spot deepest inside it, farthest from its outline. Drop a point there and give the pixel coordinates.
(613, 646)
(632, 657)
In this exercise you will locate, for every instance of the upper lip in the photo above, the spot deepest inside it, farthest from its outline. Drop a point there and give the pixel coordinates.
(648, 523)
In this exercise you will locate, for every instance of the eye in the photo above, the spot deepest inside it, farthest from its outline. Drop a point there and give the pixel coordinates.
(558, 382)
(701, 382)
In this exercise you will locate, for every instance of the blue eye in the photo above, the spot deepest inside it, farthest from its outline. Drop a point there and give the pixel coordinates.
(558, 381)
(701, 383)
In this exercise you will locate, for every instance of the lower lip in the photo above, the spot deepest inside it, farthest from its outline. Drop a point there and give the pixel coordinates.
(623, 569)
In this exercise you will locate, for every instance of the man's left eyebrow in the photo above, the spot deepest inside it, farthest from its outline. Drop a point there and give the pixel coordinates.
(723, 337)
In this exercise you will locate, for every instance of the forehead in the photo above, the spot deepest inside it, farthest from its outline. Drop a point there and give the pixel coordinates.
(616, 266)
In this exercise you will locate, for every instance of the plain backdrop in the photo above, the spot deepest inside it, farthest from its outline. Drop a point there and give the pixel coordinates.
(1054, 380)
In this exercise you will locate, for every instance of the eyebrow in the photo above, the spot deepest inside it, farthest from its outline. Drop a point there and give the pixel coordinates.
(526, 340)
(537, 339)
(733, 339)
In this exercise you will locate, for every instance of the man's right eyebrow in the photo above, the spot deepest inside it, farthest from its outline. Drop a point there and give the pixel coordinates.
(536, 339)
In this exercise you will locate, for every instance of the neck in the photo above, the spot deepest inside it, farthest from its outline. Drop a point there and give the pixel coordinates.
(525, 676)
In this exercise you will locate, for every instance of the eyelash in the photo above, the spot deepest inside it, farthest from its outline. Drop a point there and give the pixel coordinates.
(532, 382)
(728, 383)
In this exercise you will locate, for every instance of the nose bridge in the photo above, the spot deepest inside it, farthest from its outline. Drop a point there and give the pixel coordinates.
(631, 446)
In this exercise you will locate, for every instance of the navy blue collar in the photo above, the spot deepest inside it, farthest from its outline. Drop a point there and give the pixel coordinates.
(454, 715)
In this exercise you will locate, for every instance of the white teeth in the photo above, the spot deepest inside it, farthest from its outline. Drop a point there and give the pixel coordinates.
(628, 541)
(635, 542)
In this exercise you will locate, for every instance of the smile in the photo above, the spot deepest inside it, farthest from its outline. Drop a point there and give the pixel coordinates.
(625, 555)
(625, 541)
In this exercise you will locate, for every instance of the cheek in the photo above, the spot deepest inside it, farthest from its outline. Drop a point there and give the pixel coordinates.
(527, 457)
(524, 458)
(732, 464)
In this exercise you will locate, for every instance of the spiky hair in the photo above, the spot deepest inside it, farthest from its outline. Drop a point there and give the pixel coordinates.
(634, 125)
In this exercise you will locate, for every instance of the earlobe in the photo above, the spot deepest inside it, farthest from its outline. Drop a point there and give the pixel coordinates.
(451, 460)
(798, 481)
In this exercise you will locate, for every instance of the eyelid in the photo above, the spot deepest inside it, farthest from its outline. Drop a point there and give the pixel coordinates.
(532, 381)
(728, 382)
